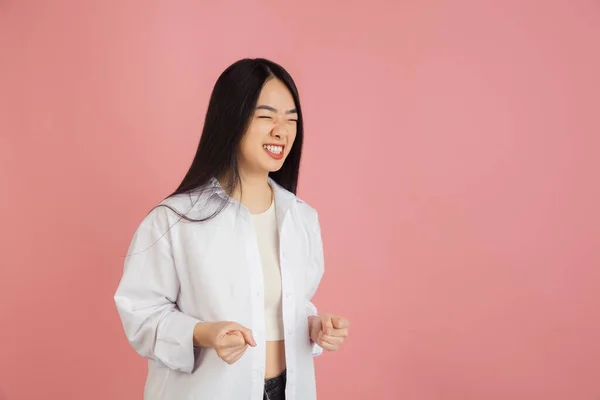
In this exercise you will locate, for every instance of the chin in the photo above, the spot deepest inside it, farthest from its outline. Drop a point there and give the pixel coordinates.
(275, 169)
(273, 166)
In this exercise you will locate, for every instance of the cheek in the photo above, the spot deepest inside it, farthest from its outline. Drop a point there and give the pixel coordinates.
(244, 148)
(251, 143)
(291, 140)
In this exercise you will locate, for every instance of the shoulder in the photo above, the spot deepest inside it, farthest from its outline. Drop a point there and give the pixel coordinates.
(304, 209)
(166, 214)
(182, 203)
(197, 204)
(309, 214)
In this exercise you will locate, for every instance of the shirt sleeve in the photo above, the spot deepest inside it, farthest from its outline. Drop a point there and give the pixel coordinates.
(147, 294)
(318, 257)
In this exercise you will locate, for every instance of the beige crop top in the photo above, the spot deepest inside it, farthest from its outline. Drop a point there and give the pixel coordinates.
(265, 225)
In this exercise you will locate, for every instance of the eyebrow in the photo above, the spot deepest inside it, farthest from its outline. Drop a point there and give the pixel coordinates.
(269, 108)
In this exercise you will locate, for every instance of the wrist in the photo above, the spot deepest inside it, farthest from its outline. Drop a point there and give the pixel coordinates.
(201, 335)
(311, 321)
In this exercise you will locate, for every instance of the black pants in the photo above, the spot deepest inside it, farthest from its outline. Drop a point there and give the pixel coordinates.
(275, 387)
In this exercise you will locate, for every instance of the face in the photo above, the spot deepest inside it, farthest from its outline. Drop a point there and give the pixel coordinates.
(271, 131)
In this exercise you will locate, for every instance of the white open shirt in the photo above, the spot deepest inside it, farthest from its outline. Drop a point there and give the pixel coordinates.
(178, 273)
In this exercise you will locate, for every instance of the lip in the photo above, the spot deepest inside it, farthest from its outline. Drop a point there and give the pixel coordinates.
(273, 155)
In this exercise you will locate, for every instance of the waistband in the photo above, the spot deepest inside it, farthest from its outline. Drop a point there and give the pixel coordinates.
(276, 381)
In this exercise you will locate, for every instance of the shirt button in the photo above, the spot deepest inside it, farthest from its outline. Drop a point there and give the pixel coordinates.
(257, 294)
(288, 294)
(290, 331)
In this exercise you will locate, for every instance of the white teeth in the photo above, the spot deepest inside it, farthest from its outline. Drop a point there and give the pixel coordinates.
(274, 149)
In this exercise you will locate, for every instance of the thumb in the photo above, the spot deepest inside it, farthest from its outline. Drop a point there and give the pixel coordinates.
(234, 339)
(337, 322)
(247, 333)
(327, 325)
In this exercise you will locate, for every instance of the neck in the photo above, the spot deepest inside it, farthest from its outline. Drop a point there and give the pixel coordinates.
(255, 192)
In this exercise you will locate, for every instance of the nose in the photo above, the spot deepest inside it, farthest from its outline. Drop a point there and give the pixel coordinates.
(279, 131)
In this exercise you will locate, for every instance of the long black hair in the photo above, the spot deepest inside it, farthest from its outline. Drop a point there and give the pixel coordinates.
(230, 109)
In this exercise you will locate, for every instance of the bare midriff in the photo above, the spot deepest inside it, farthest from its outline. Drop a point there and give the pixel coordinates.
(275, 358)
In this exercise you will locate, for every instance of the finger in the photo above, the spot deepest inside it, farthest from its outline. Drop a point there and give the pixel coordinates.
(233, 339)
(327, 346)
(340, 332)
(236, 355)
(332, 340)
(227, 354)
(245, 332)
(248, 337)
(229, 351)
(327, 324)
(340, 323)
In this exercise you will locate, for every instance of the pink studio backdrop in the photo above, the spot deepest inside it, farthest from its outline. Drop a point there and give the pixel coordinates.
(451, 149)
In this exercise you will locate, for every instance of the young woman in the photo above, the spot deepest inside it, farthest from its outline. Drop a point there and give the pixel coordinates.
(218, 279)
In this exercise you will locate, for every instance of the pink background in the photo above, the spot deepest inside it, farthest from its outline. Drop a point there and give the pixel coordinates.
(451, 149)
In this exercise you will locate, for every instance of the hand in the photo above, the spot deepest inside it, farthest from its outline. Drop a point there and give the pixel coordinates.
(328, 331)
(229, 339)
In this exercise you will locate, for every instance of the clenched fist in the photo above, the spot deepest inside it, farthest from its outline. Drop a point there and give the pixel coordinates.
(328, 330)
(229, 339)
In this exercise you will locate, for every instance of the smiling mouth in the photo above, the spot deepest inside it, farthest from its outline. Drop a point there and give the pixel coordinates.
(273, 149)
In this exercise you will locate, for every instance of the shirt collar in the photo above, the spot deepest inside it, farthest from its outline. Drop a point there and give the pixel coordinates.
(284, 197)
